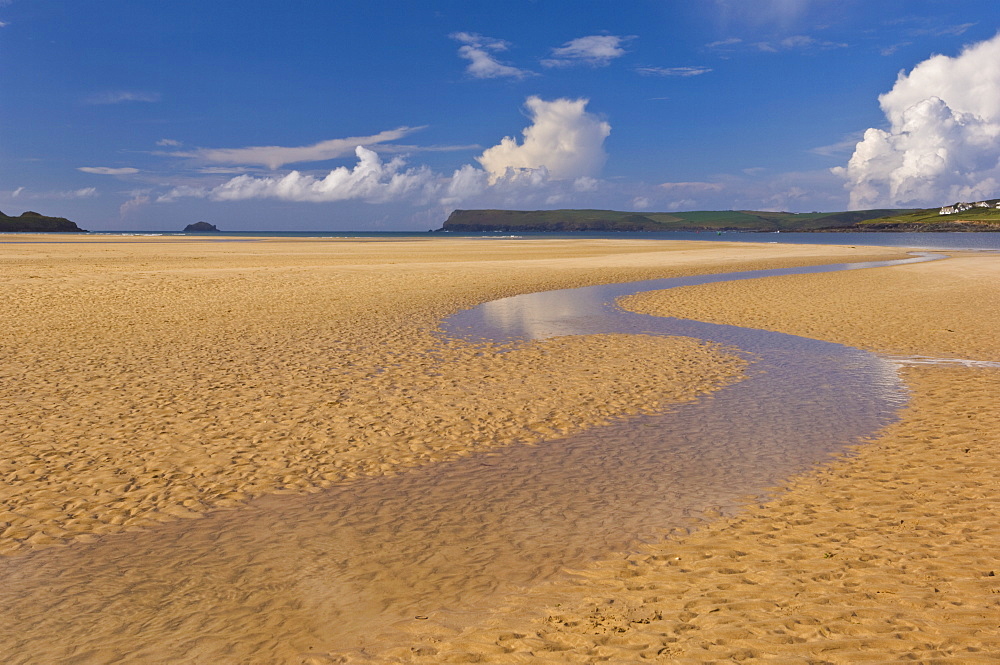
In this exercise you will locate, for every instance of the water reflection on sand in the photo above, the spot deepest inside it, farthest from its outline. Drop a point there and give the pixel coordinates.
(334, 571)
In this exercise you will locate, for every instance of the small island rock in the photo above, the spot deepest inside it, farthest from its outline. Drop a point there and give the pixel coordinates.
(200, 226)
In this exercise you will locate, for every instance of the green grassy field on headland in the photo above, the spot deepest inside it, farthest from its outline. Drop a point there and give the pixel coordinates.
(930, 219)
(886, 219)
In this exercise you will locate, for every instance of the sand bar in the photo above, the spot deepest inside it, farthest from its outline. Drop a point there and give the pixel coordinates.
(153, 379)
(156, 380)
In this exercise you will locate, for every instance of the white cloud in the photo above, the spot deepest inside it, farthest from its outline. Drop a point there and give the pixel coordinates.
(640, 203)
(782, 13)
(943, 141)
(168, 143)
(121, 96)
(848, 144)
(107, 170)
(722, 43)
(132, 205)
(892, 48)
(478, 50)
(562, 138)
(561, 152)
(275, 157)
(691, 186)
(673, 71)
(943, 30)
(594, 50)
(466, 183)
(83, 193)
(797, 42)
(370, 180)
(790, 43)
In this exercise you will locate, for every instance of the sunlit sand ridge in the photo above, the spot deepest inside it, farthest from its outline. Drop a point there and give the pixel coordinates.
(155, 380)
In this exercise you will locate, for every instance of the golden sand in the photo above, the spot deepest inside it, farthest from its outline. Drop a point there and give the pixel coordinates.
(156, 379)
(887, 555)
(942, 308)
(149, 379)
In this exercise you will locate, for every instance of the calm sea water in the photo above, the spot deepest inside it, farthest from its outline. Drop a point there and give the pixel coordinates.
(954, 240)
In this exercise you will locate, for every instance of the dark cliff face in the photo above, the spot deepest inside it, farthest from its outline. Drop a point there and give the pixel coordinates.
(32, 222)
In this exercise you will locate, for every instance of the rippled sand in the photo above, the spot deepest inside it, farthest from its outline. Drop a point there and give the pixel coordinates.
(885, 556)
(156, 380)
(942, 308)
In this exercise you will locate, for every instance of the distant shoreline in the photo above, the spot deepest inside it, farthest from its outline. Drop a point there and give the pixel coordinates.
(985, 218)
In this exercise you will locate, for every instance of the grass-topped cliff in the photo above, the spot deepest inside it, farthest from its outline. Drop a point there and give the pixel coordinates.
(612, 220)
(32, 222)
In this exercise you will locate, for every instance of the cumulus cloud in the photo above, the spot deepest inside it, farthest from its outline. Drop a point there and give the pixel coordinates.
(561, 153)
(168, 143)
(479, 50)
(563, 138)
(275, 157)
(107, 170)
(593, 50)
(943, 141)
(370, 180)
(121, 96)
(673, 71)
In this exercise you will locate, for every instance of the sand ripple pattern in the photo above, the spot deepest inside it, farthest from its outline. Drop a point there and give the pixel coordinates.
(166, 391)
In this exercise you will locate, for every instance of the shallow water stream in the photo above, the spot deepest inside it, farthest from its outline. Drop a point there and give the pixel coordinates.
(333, 571)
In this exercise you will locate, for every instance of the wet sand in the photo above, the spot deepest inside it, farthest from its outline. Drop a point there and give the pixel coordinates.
(152, 380)
(887, 555)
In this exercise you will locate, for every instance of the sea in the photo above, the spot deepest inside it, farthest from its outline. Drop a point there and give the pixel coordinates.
(989, 241)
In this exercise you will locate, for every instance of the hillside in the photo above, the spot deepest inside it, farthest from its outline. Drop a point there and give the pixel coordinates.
(33, 222)
(973, 218)
(702, 220)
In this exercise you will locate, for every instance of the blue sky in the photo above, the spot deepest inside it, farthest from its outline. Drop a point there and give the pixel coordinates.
(151, 115)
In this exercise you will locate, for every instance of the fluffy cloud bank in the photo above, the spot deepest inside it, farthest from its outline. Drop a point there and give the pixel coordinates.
(943, 143)
(563, 139)
(370, 180)
(561, 152)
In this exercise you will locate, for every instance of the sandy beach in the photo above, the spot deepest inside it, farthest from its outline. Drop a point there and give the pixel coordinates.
(157, 383)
